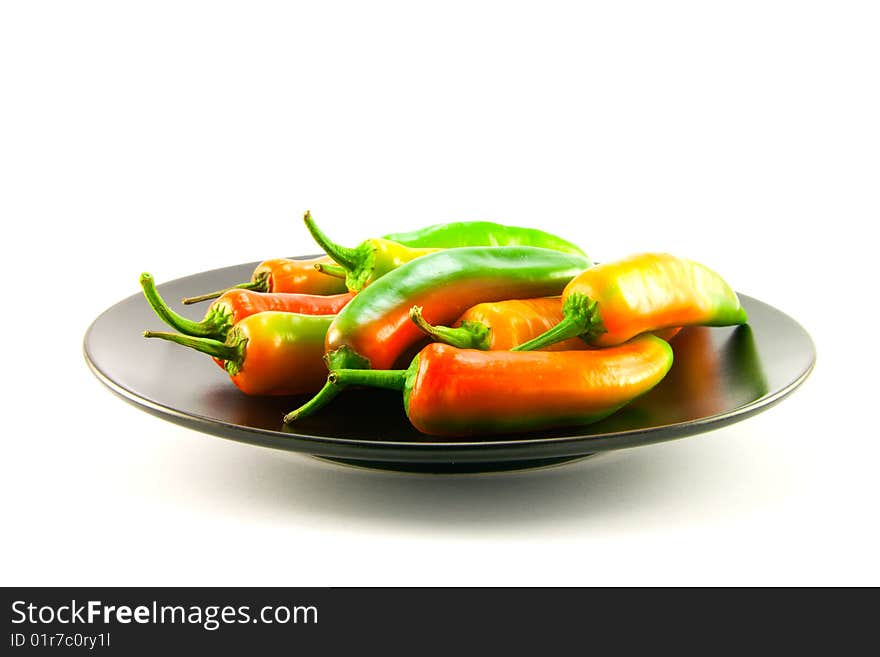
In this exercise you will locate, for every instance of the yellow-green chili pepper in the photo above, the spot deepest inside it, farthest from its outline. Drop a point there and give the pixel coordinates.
(610, 303)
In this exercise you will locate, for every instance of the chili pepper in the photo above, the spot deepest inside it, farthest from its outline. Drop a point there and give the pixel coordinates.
(234, 305)
(374, 329)
(500, 325)
(270, 353)
(612, 302)
(285, 275)
(505, 324)
(482, 233)
(458, 392)
(363, 264)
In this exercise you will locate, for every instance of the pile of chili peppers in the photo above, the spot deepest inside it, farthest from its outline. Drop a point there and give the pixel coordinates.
(514, 329)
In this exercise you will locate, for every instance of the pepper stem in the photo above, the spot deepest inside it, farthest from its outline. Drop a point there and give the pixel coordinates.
(331, 270)
(259, 284)
(204, 328)
(323, 397)
(390, 379)
(470, 335)
(581, 318)
(345, 256)
(231, 353)
(339, 380)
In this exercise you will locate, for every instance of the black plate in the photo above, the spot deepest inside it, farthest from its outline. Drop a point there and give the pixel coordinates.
(720, 376)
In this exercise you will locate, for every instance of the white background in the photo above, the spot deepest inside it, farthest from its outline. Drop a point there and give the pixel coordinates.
(175, 137)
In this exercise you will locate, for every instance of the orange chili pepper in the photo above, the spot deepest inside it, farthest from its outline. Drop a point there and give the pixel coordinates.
(505, 324)
(501, 325)
(286, 275)
(270, 353)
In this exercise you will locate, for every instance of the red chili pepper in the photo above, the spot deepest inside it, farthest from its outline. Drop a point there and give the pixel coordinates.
(285, 275)
(460, 392)
(234, 305)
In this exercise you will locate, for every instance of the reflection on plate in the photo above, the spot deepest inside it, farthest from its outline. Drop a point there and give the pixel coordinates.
(720, 376)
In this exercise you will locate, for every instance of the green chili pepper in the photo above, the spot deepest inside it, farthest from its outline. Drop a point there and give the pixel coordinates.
(482, 233)
(373, 258)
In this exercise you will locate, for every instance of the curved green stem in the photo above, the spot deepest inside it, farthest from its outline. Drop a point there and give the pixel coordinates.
(211, 327)
(323, 397)
(336, 271)
(581, 318)
(259, 284)
(345, 256)
(470, 335)
(339, 380)
(225, 351)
